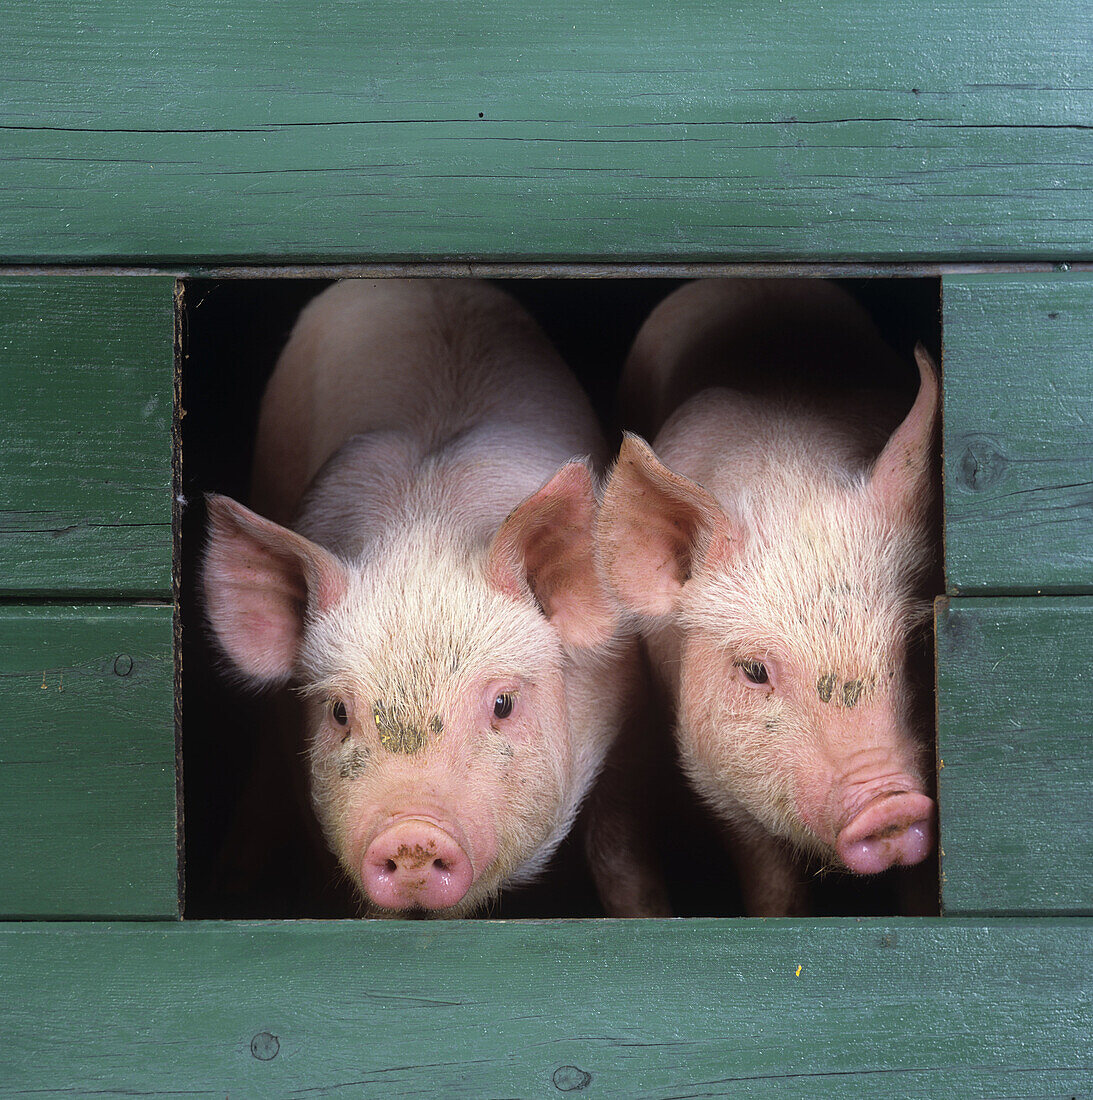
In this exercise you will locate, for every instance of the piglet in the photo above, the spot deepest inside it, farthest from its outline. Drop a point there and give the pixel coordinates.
(419, 568)
(775, 542)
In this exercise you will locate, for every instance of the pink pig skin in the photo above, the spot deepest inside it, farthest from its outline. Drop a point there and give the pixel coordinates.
(419, 568)
(782, 536)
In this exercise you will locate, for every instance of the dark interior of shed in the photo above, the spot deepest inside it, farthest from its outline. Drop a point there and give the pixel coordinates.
(248, 850)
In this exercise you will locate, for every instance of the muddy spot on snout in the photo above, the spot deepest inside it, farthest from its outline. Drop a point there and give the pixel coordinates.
(852, 692)
(354, 763)
(825, 686)
(400, 735)
(414, 856)
(497, 742)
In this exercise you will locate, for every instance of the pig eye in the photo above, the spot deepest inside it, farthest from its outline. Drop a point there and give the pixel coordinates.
(339, 713)
(503, 704)
(755, 671)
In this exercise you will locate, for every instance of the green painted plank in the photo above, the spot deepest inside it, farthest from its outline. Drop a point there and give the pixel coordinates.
(737, 1008)
(86, 365)
(1019, 432)
(87, 762)
(720, 129)
(1014, 699)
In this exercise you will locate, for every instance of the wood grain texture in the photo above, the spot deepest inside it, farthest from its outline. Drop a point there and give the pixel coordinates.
(753, 129)
(1015, 695)
(87, 762)
(85, 435)
(1019, 432)
(895, 1010)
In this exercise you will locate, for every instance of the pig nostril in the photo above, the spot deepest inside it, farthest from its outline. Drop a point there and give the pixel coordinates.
(414, 865)
(894, 830)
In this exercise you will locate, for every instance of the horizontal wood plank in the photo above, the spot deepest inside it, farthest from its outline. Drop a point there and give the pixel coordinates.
(1014, 699)
(87, 367)
(87, 762)
(748, 130)
(895, 1010)
(1019, 432)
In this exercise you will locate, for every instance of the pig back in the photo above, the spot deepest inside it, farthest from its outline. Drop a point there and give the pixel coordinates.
(736, 443)
(429, 361)
(755, 336)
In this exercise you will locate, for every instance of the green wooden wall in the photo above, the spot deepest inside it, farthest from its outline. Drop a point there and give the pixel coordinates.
(1018, 432)
(87, 762)
(1015, 675)
(891, 1009)
(177, 138)
(85, 436)
(88, 806)
(982, 1006)
(1014, 699)
(703, 129)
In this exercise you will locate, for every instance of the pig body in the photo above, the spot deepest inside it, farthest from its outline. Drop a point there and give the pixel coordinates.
(776, 545)
(435, 602)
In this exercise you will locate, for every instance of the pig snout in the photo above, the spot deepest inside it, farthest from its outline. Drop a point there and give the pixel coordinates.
(416, 864)
(892, 829)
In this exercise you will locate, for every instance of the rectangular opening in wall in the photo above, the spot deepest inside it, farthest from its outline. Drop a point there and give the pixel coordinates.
(253, 847)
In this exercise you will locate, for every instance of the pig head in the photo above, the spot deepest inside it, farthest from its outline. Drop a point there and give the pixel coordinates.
(447, 756)
(779, 612)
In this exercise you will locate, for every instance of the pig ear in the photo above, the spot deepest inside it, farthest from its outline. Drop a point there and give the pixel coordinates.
(545, 546)
(902, 474)
(260, 580)
(655, 528)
